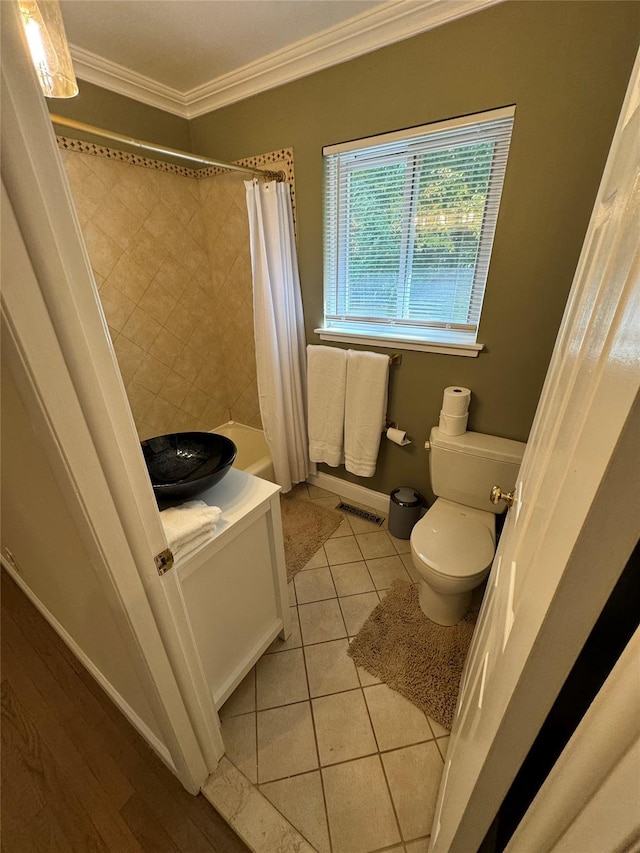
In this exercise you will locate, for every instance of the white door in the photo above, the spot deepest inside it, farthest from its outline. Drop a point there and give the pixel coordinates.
(51, 305)
(575, 519)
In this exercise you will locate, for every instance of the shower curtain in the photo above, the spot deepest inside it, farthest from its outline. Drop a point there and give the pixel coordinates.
(279, 330)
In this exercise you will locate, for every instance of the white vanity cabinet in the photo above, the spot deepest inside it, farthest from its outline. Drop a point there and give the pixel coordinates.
(234, 588)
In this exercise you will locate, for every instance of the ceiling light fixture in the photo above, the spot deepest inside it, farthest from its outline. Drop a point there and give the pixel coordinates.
(42, 21)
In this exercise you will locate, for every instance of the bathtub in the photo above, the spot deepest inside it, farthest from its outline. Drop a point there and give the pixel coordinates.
(253, 452)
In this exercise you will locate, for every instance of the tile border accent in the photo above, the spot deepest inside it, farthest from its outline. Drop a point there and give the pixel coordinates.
(283, 157)
(83, 147)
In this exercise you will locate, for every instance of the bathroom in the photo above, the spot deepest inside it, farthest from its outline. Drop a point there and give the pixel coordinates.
(515, 50)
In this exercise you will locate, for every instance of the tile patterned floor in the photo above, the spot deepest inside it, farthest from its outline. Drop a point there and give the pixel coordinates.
(335, 751)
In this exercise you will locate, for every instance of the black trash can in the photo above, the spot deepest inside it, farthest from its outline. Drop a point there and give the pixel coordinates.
(405, 506)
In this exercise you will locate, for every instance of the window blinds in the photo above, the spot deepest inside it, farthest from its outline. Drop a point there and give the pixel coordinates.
(408, 227)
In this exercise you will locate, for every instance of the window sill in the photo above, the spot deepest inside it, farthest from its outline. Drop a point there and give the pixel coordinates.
(387, 341)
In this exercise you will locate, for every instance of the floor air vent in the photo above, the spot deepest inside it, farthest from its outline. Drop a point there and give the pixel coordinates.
(361, 513)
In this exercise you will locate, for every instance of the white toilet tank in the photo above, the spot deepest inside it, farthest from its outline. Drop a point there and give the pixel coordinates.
(464, 467)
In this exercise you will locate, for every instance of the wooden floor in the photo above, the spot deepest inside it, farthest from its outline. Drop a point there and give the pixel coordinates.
(76, 776)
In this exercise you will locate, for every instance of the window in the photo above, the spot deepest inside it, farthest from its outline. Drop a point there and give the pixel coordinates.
(408, 228)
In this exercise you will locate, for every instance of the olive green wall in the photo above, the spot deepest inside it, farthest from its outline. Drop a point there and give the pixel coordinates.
(565, 65)
(108, 110)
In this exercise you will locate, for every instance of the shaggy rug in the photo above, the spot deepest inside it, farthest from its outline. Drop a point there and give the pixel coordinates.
(305, 527)
(421, 660)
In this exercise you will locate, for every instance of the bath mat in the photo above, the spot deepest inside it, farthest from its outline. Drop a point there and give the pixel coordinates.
(305, 526)
(414, 656)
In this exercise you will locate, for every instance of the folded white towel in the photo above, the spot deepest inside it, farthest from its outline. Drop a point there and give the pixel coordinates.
(188, 526)
(365, 409)
(192, 545)
(326, 383)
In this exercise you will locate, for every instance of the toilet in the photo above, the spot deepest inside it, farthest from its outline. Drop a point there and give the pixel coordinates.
(452, 546)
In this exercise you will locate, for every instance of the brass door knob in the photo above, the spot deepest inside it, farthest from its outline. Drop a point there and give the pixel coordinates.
(498, 495)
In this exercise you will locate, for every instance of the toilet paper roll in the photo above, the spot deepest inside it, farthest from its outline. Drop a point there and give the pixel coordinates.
(398, 436)
(453, 424)
(455, 400)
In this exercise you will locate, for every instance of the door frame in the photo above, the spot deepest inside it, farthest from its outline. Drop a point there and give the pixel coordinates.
(589, 801)
(590, 408)
(59, 346)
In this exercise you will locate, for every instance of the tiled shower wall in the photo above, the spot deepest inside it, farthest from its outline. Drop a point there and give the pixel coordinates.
(170, 254)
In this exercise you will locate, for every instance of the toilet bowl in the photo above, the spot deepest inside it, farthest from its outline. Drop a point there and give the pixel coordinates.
(453, 545)
(452, 548)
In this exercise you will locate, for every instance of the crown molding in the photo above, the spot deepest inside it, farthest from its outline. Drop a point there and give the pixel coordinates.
(387, 24)
(116, 78)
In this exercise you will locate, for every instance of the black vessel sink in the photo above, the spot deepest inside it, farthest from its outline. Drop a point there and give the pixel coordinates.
(182, 464)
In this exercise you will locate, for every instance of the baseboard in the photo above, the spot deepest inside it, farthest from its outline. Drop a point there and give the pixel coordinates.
(137, 722)
(350, 491)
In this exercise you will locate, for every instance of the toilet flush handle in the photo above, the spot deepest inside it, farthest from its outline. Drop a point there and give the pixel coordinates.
(498, 495)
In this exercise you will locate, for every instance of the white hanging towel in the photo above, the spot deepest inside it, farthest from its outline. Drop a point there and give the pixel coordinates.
(188, 526)
(365, 410)
(326, 385)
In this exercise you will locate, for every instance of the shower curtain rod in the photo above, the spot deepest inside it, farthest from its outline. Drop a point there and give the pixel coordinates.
(159, 149)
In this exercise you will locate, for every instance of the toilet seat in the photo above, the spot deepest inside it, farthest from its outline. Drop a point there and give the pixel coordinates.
(454, 541)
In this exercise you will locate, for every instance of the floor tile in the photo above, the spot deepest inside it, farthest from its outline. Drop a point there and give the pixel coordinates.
(281, 679)
(438, 730)
(314, 585)
(385, 570)
(396, 721)
(286, 743)
(420, 846)
(343, 529)
(292, 594)
(250, 813)
(329, 668)
(356, 609)
(375, 545)
(343, 550)
(327, 503)
(443, 745)
(316, 492)
(402, 546)
(321, 621)
(359, 807)
(318, 560)
(301, 801)
(407, 561)
(243, 698)
(415, 803)
(352, 578)
(294, 641)
(366, 678)
(239, 735)
(342, 727)
(300, 492)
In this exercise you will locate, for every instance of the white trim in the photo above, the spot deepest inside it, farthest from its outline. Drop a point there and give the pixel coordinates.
(387, 24)
(137, 722)
(350, 491)
(570, 800)
(387, 342)
(471, 120)
(116, 78)
(60, 340)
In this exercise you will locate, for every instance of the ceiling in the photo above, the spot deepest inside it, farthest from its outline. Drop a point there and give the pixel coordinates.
(192, 56)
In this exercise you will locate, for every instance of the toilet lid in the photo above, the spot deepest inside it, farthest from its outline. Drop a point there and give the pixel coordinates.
(452, 542)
